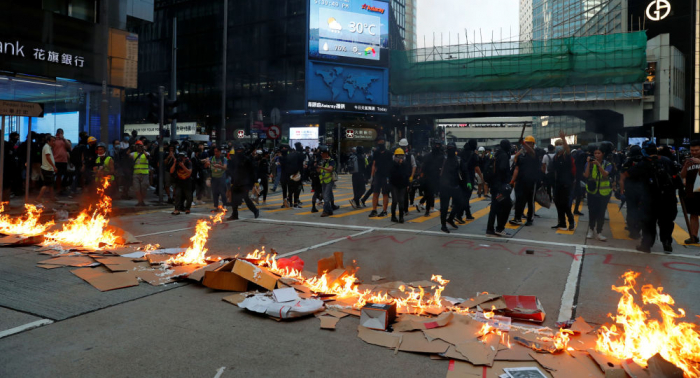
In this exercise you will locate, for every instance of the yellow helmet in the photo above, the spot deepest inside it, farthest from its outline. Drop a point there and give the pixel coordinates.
(232, 152)
(399, 151)
(92, 139)
(529, 139)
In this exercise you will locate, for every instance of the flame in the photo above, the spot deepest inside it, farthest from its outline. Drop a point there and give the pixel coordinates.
(27, 225)
(640, 337)
(487, 328)
(561, 339)
(148, 248)
(88, 230)
(195, 254)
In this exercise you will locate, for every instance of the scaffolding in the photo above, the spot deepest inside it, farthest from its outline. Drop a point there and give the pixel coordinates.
(598, 62)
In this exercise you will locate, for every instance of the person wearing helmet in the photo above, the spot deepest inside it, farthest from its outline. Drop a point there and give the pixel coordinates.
(470, 173)
(139, 162)
(430, 174)
(631, 189)
(399, 180)
(325, 171)
(525, 178)
(104, 166)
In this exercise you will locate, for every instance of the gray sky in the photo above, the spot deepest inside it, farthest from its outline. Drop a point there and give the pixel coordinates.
(451, 17)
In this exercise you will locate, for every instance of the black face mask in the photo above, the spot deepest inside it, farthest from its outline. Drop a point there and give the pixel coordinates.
(381, 147)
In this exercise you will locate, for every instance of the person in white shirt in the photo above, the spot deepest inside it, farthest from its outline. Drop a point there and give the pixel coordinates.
(48, 169)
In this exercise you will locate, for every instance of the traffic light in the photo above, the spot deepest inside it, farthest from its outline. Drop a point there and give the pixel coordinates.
(153, 108)
(170, 110)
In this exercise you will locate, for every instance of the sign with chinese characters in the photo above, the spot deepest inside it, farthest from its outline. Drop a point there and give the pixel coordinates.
(59, 57)
(323, 105)
(361, 134)
(22, 109)
(657, 10)
(151, 129)
(303, 133)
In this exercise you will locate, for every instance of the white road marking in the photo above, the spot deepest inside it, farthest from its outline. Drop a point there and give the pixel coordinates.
(439, 233)
(25, 327)
(567, 299)
(324, 244)
(220, 371)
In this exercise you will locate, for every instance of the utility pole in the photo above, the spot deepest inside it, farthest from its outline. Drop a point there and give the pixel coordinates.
(161, 112)
(104, 104)
(221, 137)
(29, 164)
(173, 82)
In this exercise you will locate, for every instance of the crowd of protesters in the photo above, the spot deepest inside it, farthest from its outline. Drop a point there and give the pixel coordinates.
(514, 176)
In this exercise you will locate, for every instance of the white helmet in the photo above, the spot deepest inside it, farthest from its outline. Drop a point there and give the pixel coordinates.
(403, 142)
(481, 149)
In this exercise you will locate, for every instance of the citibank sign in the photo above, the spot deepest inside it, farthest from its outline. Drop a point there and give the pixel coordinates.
(657, 10)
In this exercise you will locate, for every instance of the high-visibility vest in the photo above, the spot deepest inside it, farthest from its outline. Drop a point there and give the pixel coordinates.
(602, 184)
(105, 171)
(216, 172)
(326, 177)
(140, 163)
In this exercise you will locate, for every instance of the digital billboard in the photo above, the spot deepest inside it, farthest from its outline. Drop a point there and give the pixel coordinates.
(347, 65)
(349, 31)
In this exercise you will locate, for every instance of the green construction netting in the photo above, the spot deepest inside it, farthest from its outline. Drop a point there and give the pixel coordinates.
(593, 60)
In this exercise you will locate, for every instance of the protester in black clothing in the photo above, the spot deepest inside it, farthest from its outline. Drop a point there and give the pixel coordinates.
(526, 175)
(469, 168)
(242, 173)
(368, 178)
(659, 202)
(500, 191)
(632, 188)
(430, 174)
(563, 173)
(578, 191)
(284, 179)
(294, 166)
(264, 174)
(356, 166)
(315, 177)
(449, 187)
(398, 179)
(380, 174)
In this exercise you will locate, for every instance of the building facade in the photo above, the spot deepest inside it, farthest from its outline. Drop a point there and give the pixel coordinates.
(75, 57)
(266, 51)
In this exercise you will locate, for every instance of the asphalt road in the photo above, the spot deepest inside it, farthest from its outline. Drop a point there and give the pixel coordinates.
(185, 330)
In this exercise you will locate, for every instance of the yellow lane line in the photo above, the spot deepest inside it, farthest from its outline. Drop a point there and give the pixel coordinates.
(617, 223)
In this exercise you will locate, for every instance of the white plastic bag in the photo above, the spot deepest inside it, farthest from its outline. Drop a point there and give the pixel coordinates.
(265, 304)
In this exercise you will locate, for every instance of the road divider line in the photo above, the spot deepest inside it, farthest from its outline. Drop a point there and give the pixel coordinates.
(325, 244)
(25, 327)
(617, 223)
(566, 311)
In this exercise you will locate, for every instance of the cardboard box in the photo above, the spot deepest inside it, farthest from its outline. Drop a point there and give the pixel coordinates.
(255, 274)
(223, 278)
(524, 307)
(377, 316)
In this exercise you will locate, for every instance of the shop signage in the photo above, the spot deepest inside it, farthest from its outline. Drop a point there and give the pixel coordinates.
(151, 129)
(657, 10)
(361, 134)
(17, 49)
(22, 109)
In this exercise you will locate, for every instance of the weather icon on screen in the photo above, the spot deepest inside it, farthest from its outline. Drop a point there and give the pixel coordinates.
(334, 25)
(370, 51)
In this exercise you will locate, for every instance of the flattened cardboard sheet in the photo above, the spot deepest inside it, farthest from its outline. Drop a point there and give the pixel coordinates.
(580, 327)
(106, 281)
(77, 261)
(565, 366)
(406, 324)
(417, 343)
(328, 322)
(480, 352)
(385, 339)
(455, 332)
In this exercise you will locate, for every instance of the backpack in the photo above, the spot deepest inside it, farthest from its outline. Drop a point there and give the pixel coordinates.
(489, 169)
(660, 177)
(353, 165)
